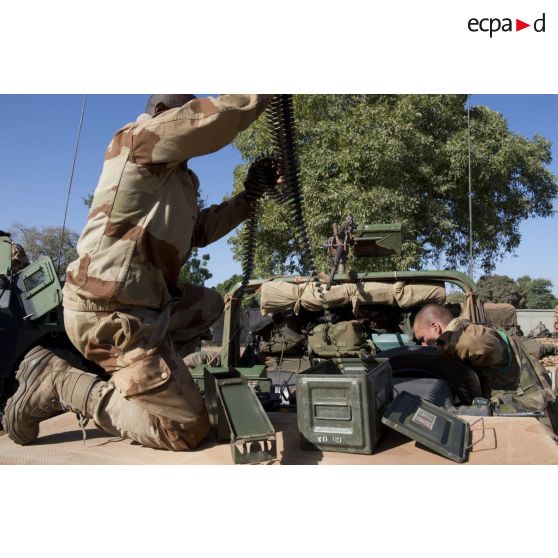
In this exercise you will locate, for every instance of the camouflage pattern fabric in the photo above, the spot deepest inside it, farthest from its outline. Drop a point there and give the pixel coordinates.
(19, 258)
(531, 394)
(203, 356)
(123, 307)
(508, 378)
(556, 319)
(485, 350)
(151, 396)
(144, 219)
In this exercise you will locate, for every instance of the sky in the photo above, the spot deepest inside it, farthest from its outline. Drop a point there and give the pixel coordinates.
(38, 139)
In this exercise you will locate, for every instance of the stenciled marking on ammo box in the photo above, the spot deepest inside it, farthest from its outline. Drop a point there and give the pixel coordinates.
(424, 418)
(329, 439)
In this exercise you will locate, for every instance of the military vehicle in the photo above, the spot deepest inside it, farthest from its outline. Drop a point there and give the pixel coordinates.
(313, 337)
(339, 351)
(30, 315)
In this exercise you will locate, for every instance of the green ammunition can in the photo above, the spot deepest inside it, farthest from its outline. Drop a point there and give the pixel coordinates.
(340, 404)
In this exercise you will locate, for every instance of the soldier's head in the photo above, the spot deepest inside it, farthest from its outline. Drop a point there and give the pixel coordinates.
(430, 322)
(156, 104)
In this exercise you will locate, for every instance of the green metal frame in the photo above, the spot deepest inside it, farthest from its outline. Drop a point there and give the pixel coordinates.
(230, 352)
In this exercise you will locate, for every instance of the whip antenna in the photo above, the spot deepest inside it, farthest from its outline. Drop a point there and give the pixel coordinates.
(471, 260)
(70, 186)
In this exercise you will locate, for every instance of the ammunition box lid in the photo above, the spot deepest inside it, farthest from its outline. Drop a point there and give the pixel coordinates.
(429, 425)
(378, 240)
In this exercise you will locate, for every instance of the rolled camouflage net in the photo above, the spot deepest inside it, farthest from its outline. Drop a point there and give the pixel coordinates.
(277, 296)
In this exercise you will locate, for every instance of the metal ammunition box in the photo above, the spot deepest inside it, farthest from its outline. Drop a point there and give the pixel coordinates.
(237, 415)
(429, 425)
(256, 376)
(340, 404)
(378, 241)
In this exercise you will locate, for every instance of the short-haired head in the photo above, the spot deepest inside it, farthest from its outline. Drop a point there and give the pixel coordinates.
(430, 322)
(156, 104)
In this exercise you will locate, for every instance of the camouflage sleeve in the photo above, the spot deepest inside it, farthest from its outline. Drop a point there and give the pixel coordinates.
(478, 345)
(199, 127)
(216, 221)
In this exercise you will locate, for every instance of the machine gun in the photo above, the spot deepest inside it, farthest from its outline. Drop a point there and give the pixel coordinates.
(368, 241)
(338, 245)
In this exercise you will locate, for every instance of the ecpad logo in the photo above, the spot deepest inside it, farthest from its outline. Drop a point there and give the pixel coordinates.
(494, 24)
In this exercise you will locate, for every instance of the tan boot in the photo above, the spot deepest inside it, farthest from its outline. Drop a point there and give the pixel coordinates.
(48, 386)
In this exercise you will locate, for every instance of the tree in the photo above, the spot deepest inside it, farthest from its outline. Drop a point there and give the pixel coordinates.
(46, 242)
(499, 288)
(524, 281)
(226, 286)
(403, 158)
(195, 271)
(536, 293)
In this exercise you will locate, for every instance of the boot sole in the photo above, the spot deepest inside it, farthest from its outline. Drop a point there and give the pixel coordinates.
(20, 398)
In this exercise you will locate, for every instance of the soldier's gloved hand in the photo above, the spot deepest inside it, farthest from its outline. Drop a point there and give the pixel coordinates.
(263, 176)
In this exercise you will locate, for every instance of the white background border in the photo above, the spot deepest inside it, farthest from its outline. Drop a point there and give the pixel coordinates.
(300, 46)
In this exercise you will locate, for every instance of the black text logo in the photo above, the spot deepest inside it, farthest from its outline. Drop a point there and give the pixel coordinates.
(493, 25)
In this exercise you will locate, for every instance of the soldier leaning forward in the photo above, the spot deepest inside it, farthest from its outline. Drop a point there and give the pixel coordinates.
(505, 376)
(123, 308)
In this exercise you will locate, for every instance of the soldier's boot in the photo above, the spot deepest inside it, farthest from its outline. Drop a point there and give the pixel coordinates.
(48, 386)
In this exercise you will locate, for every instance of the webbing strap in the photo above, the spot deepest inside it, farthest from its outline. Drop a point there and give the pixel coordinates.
(505, 368)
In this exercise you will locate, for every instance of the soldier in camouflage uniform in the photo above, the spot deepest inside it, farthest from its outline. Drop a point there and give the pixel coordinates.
(485, 348)
(507, 375)
(122, 307)
(556, 319)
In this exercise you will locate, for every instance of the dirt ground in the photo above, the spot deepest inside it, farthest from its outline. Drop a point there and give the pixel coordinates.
(550, 360)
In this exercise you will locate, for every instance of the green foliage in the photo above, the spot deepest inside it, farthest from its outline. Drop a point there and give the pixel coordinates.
(403, 159)
(523, 293)
(195, 271)
(499, 288)
(455, 297)
(46, 242)
(226, 286)
(536, 293)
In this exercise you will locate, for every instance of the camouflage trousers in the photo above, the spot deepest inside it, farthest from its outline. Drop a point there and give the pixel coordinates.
(151, 396)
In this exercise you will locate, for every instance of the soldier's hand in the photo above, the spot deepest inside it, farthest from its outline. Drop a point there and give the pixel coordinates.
(263, 176)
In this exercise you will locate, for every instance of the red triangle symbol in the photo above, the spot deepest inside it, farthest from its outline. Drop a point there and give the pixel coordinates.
(519, 25)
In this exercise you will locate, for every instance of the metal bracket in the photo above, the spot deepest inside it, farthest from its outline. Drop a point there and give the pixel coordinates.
(481, 419)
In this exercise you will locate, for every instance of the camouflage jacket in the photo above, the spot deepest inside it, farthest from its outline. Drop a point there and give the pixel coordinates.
(483, 348)
(145, 219)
